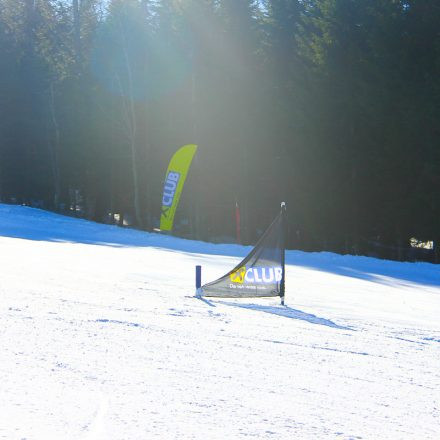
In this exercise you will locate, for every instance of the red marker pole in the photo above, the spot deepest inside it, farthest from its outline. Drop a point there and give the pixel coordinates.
(237, 223)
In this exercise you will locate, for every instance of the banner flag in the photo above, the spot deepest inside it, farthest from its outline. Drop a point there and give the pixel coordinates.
(261, 273)
(174, 180)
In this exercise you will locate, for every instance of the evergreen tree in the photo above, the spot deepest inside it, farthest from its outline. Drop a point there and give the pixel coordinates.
(331, 105)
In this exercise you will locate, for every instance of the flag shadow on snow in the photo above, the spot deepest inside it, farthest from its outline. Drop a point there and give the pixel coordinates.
(287, 312)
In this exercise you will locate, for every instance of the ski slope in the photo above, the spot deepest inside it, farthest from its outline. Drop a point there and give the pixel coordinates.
(101, 339)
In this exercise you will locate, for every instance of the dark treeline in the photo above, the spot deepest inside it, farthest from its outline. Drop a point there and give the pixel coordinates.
(330, 105)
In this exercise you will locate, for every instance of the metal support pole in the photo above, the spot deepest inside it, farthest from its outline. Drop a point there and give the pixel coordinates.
(284, 241)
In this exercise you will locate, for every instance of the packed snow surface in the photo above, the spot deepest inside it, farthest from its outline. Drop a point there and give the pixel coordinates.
(101, 339)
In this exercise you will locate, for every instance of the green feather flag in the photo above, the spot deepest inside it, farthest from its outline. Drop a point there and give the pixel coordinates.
(174, 180)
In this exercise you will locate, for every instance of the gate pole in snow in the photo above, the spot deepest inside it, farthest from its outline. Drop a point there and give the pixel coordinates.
(198, 280)
(284, 240)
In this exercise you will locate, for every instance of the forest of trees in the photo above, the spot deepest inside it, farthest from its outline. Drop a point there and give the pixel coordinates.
(330, 105)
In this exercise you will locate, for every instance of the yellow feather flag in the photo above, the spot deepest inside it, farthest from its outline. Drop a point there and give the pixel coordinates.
(174, 180)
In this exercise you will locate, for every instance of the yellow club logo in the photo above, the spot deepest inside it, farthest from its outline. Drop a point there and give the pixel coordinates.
(238, 275)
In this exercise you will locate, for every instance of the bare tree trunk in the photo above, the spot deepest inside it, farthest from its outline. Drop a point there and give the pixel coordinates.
(55, 152)
(112, 192)
(76, 33)
(148, 202)
(196, 192)
(132, 130)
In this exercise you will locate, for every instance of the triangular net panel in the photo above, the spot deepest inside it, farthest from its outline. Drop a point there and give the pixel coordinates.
(260, 274)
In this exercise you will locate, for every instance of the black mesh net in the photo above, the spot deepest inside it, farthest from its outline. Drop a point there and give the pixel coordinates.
(260, 274)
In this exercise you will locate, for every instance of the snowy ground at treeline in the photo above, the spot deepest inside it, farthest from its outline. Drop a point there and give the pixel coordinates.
(100, 339)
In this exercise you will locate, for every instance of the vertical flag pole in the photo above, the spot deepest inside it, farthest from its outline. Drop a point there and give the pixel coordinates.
(283, 258)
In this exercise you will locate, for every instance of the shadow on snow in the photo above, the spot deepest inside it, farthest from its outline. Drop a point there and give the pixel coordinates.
(386, 272)
(287, 312)
(35, 224)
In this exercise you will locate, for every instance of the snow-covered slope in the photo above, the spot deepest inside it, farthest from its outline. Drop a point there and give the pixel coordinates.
(100, 339)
